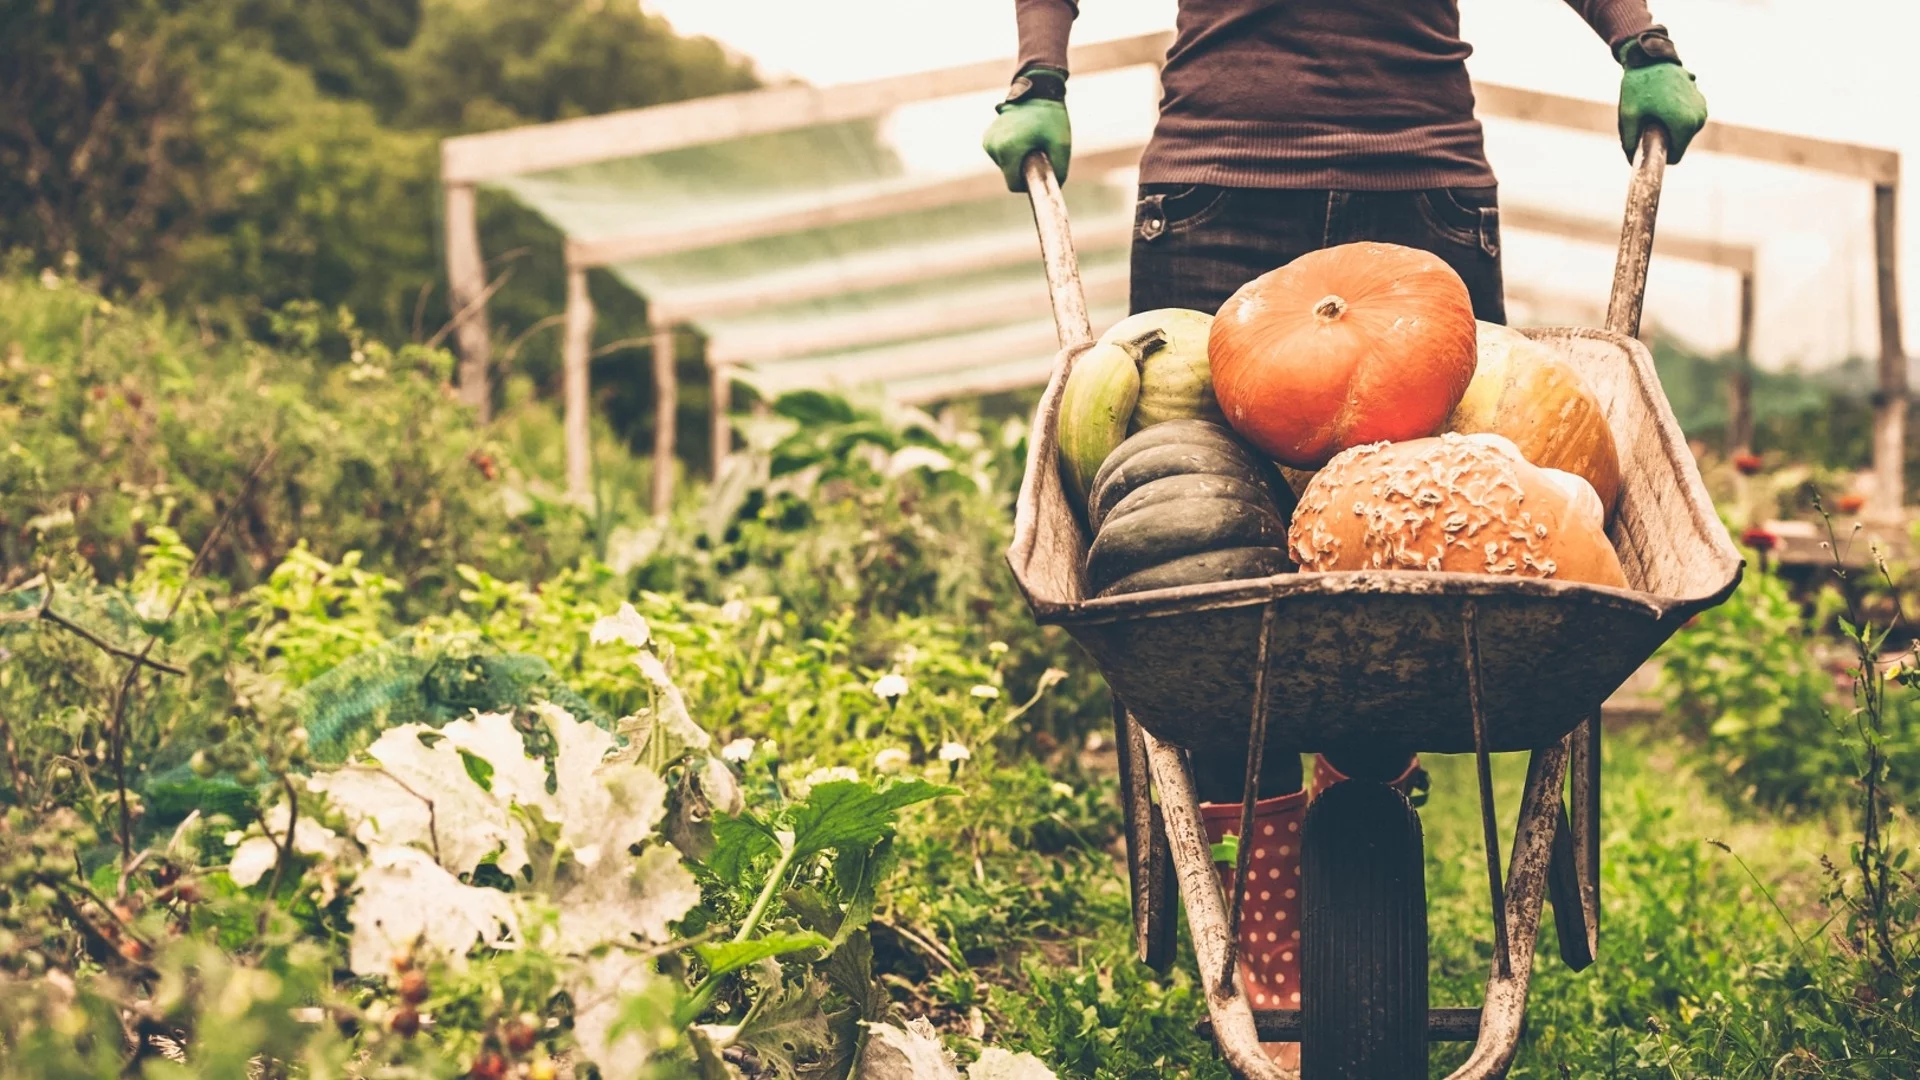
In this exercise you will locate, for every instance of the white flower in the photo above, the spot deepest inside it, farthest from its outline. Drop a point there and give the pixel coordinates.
(985, 692)
(829, 774)
(624, 625)
(908, 458)
(997, 648)
(737, 751)
(953, 752)
(891, 760)
(1062, 791)
(888, 687)
(735, 611)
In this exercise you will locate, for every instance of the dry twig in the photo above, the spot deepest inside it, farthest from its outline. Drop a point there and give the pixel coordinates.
(44, 612)
(117, 741)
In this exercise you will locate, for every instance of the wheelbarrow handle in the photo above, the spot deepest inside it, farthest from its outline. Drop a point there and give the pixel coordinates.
(1070, 319)
(1636, 233)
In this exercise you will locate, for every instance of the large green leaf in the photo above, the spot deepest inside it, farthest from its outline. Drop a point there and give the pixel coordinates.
(852, 813)
(857, 872)
(786, 1030)
(737, 842)
(730, 956)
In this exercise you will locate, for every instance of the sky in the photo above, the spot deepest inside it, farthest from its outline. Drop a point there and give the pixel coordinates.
(1840, 69)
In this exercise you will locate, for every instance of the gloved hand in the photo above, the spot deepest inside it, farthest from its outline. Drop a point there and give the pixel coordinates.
(1655, 88)
(1034, 117)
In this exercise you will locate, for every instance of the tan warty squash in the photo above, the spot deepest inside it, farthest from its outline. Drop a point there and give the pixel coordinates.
(1465, 504)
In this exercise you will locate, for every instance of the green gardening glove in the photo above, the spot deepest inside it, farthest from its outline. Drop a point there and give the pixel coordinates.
(1654, 88)
(1033, 117)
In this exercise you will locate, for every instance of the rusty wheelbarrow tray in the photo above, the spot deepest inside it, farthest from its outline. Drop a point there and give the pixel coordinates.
(1400, 661)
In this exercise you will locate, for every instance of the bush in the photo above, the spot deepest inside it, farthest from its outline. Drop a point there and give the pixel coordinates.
(118, 419)
(1766, 692)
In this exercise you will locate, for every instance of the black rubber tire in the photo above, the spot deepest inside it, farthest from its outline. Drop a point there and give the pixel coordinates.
(1363, 929)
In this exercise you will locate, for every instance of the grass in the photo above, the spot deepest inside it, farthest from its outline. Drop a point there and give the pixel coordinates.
(1005, 918)
(1696, 959)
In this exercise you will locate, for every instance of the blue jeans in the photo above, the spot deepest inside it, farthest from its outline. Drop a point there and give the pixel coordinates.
(1195, 244)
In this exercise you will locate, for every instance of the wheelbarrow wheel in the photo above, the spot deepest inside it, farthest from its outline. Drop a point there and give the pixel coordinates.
(1363, 948)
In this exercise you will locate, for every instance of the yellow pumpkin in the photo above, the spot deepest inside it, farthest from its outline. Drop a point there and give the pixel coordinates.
(1522, 391)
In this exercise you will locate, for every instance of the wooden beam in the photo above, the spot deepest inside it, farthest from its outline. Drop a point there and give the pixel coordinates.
(666, 402)
(1890, 407)
(1589, 309)
(632, 132)
(1736, 257)
(923, 358)
(1870, 163)
(863, 204)
(466, 297)
(998, 379)
(879, 269)
(1740, 385)
(577, 410)
(722, 415)
(909, 321)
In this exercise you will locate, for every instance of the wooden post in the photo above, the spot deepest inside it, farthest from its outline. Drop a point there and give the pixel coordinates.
(1890, 408)
(666, 397)
(579, 349)
(722, 416)
(1740, 384)
(466, 291)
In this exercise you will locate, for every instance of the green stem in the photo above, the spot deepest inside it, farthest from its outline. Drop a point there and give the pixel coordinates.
(774, 878)
(703, 994)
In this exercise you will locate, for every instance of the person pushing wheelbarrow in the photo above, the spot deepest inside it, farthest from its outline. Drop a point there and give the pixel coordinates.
(1287, 126)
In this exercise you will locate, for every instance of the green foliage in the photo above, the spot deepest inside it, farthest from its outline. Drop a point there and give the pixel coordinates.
(481, 65)
(1760, 686)
(1744, 678)
(119, 419)
(236, 155)
(879, 773)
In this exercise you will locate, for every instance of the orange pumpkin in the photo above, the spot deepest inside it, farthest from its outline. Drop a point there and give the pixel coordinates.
(1341, 347)
(1465, 504)
(1523, 391)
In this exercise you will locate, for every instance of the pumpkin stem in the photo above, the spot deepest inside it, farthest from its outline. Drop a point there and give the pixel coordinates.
(1145, 345)
(1330, 307)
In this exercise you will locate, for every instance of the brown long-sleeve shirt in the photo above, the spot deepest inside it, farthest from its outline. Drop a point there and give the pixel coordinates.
(1361, 95)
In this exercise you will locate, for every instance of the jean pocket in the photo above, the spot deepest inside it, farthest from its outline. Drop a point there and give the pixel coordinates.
(1167, 209)
(1467, 216)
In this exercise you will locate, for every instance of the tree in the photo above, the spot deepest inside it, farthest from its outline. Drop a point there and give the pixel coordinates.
(480, 64)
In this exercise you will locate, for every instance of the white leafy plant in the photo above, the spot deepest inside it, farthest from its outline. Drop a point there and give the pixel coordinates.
(595, 883)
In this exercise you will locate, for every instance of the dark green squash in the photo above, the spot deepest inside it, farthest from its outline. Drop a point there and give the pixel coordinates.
(1232, 564)
(1185, 503)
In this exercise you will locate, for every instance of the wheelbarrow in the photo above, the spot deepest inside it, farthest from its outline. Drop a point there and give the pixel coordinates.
(1381, 664)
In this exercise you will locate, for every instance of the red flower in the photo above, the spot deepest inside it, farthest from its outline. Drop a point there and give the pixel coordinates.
(1748, 464)
(1850, 503)
(1759, 539)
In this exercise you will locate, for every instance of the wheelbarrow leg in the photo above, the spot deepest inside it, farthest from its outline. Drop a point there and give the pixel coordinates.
(1525, 891)
(1232, 1015)
(1149, 866)
(1574, 876)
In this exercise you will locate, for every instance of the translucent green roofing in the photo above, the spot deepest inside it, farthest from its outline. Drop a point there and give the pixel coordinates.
(927, 285)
